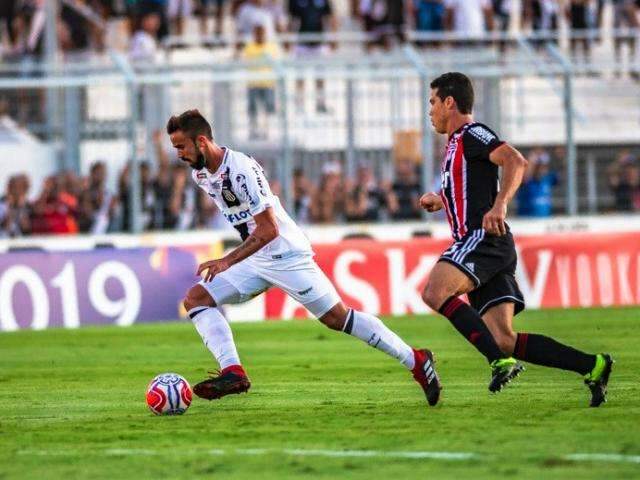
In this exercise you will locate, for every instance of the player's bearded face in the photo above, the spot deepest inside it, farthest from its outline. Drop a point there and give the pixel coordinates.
(199, 163)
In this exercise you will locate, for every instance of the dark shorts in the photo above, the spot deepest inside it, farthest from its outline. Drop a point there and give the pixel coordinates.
(490, 262)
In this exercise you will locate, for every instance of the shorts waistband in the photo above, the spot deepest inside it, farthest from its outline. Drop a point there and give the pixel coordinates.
(289, 254)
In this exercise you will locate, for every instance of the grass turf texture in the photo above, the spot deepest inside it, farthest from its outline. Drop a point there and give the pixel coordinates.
(73, 406)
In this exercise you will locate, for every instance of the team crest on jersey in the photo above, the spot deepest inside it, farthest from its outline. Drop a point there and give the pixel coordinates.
(201, 175)
(228, 195)
(482, 134)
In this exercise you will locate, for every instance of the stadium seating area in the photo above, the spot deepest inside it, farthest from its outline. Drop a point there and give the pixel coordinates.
(146, 29)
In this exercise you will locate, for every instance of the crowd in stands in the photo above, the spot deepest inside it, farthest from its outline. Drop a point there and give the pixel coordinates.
(81, 24)
(170, 200)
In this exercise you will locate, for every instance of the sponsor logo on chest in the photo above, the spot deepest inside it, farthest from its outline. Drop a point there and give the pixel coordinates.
(237, 217)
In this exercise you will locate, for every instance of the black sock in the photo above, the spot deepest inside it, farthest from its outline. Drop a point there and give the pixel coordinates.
(541, 350)
(469, 323)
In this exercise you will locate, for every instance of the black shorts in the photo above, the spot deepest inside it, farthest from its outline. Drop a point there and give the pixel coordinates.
(490, 262)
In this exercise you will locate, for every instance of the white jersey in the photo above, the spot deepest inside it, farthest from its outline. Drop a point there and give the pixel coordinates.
(240, 190)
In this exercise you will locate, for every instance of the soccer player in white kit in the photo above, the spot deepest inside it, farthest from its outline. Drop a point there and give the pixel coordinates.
(274, 252)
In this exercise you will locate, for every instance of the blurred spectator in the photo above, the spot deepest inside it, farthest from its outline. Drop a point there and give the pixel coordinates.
(429, 16)
(405, 193)
(182, 204)
(140, 8)
(625, 16)
(261, 92)
(54, 213)
(28, 28)
(502, 18)
(302, 194)
(163, 218)
(74, 29)
(177, 13)
(624, 181)
(543, 17)
(252, 13)
(328, 200)
(101, 202)
(15, 210)
(384, 19)
(469, 18)
(8, 11)
(204, 9)
(312, 17)
(144, 44)
(366, 200)
(535, 193)
(578, 15)
(147, 197)
(279, 16)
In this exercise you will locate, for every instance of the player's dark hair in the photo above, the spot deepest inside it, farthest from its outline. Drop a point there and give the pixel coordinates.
(192, 123)
(458, 86)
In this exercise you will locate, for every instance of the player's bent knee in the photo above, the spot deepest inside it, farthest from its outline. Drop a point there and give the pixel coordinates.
(434, 297)
(197, 296)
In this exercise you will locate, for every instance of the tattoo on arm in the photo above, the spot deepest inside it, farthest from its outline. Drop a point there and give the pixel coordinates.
(247, 248)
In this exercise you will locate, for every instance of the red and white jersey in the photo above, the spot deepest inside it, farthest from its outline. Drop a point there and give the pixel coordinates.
(240, 190)
(469, 179)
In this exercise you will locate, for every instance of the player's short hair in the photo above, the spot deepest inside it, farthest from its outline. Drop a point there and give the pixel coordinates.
(192, 123)
(458, 86)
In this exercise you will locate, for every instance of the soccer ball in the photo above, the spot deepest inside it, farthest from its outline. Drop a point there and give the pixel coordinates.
(169, 394)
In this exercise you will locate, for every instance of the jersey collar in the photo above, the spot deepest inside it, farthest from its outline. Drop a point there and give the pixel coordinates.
(462, 127)
(223, 164)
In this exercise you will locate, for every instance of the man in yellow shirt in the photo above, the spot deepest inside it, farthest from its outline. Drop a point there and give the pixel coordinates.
(261, 92)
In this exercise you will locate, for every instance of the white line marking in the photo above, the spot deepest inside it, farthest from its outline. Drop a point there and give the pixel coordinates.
(296, 452)
(130, 451)
(603, 457)
(377, 453)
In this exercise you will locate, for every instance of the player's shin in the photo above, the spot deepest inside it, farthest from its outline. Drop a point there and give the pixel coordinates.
(216, 334)
(469, 323)
(542, 350)
(372, 331)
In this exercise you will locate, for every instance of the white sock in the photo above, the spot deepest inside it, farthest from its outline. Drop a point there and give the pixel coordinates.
(216, 334)
(371, 330)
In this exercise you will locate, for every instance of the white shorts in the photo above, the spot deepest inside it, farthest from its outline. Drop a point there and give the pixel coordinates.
(299, 276)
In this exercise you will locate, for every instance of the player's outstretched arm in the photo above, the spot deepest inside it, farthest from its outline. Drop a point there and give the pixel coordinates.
(513, 167)
(266, 230)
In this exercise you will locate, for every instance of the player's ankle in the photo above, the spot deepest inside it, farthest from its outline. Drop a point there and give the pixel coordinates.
(237, 369)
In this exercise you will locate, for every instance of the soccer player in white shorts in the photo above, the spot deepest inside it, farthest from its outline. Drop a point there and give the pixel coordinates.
(274, 252)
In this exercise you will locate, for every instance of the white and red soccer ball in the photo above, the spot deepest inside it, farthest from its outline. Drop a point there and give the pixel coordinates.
(169, 394)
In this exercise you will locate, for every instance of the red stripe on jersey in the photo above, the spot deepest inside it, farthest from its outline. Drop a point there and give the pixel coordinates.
(447, 208)
(458, 189)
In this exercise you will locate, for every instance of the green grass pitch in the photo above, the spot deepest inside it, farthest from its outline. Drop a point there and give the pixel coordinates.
(322, 405)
